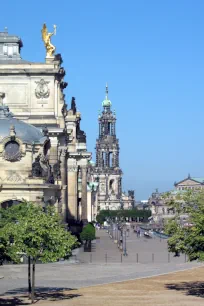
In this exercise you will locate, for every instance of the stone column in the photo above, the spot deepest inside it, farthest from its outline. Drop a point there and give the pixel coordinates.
(97, 158)
(113, 159)
(113, 128)
(72, 188)
(117, 159)
(63, 157)
(107, 159)
(84, 193)
(102, 162)
(53, 151)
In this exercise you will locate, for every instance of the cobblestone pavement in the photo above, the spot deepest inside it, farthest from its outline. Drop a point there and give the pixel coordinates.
(83, 273)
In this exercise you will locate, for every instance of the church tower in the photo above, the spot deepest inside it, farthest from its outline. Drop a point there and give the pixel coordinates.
(107, 170)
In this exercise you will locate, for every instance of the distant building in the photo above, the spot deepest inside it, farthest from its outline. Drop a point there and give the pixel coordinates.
(160, 208)
(142, 205)
(128, 200)
(107, 170)
(193, 183)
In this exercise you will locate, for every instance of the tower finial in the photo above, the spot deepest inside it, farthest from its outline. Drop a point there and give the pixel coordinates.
(106, 103)
(106, 90)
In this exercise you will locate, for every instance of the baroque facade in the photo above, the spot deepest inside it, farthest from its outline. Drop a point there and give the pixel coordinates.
(43, 153)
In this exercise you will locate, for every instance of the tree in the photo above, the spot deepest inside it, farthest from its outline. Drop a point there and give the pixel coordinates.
(122, 214)
(39, 235)
(9, 217)
(88, 234)
(187, 237)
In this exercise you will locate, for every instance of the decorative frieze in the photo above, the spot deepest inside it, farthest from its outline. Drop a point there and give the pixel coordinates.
(12, 177)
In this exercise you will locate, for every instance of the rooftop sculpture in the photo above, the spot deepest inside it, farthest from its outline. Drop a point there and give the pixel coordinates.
(46, 37)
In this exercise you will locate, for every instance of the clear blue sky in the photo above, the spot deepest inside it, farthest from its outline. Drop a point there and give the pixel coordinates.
(151, 54)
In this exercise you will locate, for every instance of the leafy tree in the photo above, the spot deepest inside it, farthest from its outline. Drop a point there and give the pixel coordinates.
(8, 218)
(100, 218)
(39, 235)
(122, 214)
(88, 234)
(187, 237)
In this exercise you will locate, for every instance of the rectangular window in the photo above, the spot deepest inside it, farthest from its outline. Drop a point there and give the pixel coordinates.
(10, 51)
(5, 49)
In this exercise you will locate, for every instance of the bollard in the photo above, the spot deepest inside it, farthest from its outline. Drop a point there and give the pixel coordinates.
(90, 257)
(137, 257)
(121, 258)
(106, 257)
(152, 257)
(168, 257)
(185, 257)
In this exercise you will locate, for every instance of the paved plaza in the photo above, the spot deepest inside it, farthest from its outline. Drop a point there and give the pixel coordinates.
(86, 269)
(140, 250)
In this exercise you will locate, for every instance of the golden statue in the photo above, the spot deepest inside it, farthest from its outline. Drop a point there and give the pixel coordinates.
(50, 49)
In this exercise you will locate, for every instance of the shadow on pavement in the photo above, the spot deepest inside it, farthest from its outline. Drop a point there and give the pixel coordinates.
(14, 301)
(41, 293)
(189, 288)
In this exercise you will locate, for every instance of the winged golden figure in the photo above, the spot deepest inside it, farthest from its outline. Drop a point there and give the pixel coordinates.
(46, 37)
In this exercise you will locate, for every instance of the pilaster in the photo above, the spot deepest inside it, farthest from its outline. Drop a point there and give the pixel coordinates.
(72, 189)
(63, 166)
(84, 193)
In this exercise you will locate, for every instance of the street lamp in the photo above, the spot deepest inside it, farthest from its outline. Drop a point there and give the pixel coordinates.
(121, 239)
(125, 244)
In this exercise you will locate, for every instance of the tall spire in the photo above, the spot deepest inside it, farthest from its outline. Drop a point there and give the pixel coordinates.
(106, 102)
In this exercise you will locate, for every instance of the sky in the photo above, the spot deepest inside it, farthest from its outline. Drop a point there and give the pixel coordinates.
(151, 54)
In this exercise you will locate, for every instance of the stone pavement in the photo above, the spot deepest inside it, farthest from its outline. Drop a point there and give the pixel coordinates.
(140, 250)
(81, 274)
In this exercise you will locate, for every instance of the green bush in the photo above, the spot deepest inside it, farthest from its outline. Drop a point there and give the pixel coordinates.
(88, 233)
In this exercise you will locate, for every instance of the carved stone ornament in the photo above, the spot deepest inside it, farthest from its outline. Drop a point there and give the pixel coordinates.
(102, 187)
(13, 177)
(12, 151)
(42, 91)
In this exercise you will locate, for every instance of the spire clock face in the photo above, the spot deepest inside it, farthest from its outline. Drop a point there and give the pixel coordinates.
(11, 149)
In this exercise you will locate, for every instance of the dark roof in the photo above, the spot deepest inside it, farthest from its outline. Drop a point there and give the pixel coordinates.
(26, 132)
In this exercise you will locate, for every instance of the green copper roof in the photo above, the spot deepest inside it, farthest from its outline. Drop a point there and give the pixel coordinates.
(198, 179)
(106, 102)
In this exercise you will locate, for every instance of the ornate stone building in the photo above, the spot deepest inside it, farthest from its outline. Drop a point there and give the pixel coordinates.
(43, 153)
(107, 170)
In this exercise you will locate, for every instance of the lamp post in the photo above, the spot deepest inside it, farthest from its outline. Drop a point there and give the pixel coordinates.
(125, 244)
(121, 238)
